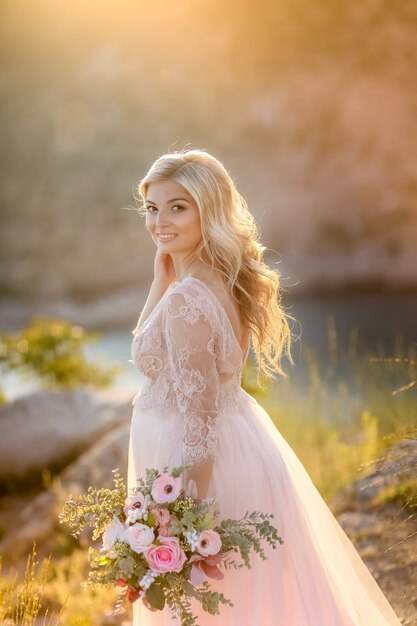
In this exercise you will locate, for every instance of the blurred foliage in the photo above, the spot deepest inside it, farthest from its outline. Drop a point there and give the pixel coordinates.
(52, 351)
(404, 494)
(321, 143)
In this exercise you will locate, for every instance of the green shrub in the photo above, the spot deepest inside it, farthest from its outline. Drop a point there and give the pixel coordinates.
(51, 350)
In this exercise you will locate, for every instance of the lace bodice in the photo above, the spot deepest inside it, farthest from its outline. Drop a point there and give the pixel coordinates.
(192, 361)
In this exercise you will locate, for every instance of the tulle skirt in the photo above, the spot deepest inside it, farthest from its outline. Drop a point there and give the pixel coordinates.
(316, 578)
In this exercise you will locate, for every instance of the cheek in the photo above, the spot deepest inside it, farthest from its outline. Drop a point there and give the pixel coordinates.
(195, 227)
(149, 223)
(198, 234)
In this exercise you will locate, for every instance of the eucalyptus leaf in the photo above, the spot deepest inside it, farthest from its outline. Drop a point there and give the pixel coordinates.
(127, 565)
(155, 596)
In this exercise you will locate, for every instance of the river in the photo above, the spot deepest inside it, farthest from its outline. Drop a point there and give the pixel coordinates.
(368, 320)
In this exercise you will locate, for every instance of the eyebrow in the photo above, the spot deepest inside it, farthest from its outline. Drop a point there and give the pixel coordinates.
(169, 201)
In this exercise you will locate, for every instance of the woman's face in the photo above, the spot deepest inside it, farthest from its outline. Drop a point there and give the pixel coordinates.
(171, 210)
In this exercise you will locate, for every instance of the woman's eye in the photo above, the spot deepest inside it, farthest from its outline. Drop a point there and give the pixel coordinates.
(150, 209)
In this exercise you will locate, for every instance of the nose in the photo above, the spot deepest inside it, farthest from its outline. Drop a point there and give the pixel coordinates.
(161, 219)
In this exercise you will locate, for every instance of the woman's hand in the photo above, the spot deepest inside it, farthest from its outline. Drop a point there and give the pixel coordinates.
(201, 475)
(164, 275)
(164, 271)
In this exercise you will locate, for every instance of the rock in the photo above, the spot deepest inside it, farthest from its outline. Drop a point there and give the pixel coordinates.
(385, 533)
(37, 520)
(48, 429)
(395, 465)
(95, 466)
(355, 522)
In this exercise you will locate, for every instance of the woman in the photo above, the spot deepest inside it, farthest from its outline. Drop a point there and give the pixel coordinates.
(212, 295)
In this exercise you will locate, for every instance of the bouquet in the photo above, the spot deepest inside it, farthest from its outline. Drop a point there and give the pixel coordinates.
(160, 544)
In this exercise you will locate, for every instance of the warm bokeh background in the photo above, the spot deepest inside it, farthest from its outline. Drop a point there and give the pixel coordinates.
(311, 106)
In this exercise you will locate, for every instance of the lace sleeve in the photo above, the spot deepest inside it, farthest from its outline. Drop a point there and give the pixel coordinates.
(192, 361)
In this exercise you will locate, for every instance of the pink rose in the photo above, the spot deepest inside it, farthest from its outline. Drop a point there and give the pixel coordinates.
(166, 488)
(209, 542)
(168, 557)
(139, 536)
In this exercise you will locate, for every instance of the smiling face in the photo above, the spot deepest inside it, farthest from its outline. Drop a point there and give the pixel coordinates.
(171, 210)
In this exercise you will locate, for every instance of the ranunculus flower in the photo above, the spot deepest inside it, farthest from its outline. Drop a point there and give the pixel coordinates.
(209, 542)
(115, 530)
(164, 531)
(165, 528)
(138, 501)
(205, 566)
(139, 537)
(166, 488)
(167, 557)
(162, 516)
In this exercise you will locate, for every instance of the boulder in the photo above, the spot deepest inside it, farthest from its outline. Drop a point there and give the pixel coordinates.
(396, 464)
(94, 467)
(36, 520)
(356, 522)
(49, 429)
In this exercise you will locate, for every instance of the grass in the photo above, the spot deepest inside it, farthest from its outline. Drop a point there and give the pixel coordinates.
(51, 592)
(340, 415)
(346, 408)
(20, 602)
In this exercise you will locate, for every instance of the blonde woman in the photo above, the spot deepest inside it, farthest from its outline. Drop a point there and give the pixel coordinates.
(211, 298)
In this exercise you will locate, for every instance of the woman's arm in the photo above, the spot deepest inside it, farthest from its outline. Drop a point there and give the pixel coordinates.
(191, 343)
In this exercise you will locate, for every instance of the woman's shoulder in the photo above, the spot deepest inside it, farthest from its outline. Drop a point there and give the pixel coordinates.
(189, 298)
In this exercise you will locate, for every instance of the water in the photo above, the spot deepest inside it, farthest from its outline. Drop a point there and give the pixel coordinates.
(377, 318)
(386, 319)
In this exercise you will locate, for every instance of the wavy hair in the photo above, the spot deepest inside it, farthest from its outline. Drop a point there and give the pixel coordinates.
(230, 239)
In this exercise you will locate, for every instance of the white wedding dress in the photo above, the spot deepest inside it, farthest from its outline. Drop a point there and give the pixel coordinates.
(193, 406)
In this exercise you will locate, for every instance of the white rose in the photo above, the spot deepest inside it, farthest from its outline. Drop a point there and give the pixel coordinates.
(115, 530)
(139, 537)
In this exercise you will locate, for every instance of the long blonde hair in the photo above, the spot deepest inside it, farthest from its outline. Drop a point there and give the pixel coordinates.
(230, 238)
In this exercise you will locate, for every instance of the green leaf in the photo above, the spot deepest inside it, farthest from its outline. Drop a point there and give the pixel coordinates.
(155, 596)
(151, 521)
(206, 522)
(127, 565)
(187, 587)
